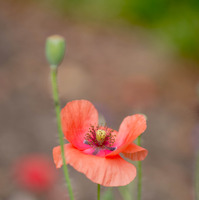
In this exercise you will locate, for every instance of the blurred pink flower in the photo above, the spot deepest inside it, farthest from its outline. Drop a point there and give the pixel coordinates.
(35, 173)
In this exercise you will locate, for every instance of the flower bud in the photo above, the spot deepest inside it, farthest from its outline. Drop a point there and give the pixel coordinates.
(55, 50)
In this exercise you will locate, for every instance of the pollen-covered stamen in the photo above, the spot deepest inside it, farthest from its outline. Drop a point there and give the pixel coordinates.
(110, 138)
(90, 137)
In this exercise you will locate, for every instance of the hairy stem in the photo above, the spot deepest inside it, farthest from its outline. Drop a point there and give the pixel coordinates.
(139, 187)
(197, 177)
(61, 140)
(98, 192)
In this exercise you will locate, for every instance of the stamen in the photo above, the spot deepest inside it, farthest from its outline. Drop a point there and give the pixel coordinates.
(111, 148)
(96, 151)
(86, 142)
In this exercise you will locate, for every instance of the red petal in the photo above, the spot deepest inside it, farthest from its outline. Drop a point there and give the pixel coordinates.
(135, 152)
(76, 118)
(130, 129)
(109, 172)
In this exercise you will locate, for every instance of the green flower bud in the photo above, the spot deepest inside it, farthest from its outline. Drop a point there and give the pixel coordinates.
(55, 50)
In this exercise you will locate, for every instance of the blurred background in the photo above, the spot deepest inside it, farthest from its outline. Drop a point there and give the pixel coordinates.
(124, 56)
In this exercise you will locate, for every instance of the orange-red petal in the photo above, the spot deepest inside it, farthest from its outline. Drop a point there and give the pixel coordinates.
(57, 156)
(135, 152)
(108, 172)
(76, 118)
(130, 129)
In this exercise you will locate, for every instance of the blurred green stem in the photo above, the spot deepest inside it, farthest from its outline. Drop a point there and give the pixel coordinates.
(98, 192)
(197, 176)
(139, 187)
(125, 192)
(61, 140)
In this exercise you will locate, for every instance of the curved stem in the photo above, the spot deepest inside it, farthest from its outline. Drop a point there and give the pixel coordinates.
(57, 109)
(139, 187)
(98, 192)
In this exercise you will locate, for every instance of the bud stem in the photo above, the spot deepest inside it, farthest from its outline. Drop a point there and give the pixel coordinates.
(57, 109)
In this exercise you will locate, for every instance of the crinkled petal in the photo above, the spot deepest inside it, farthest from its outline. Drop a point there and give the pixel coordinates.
(108, 172)
(76, 118)
(57, 156)
(130, 129)
(135, 152)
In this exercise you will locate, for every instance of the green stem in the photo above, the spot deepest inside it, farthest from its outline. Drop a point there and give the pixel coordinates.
(197, 177)
(139, 188)
(125, 192)
(98, 192)
(61, 140)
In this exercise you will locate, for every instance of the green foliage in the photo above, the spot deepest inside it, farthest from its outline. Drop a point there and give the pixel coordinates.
(176, 20)
(182, 30)
(145, 12)
(108, 195)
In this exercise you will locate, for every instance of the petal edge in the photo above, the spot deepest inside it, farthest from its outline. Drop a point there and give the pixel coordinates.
(130, 128)
(76, 118)
(135, 152)
(109, 172)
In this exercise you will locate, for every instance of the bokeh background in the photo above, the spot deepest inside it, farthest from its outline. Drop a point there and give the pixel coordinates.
(124, 56)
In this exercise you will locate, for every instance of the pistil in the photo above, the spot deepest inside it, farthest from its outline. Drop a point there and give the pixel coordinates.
(100, 136)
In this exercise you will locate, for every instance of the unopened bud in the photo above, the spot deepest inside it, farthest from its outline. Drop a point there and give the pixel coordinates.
(55, 50)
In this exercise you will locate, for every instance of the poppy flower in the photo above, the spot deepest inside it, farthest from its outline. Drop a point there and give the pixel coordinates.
(96, 150)
(35, 173)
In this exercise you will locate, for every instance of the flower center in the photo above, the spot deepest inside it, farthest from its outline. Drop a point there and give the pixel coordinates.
(100, 138)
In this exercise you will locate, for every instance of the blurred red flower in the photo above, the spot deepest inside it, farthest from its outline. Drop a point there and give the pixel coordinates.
(94, 150)
(35, 173)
